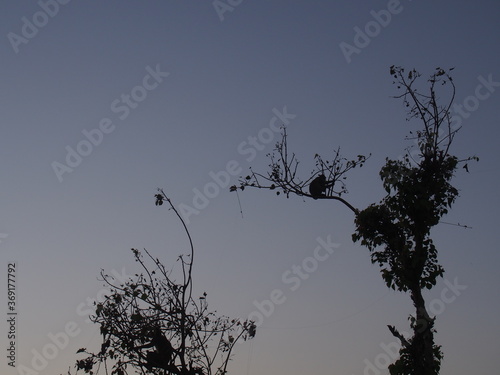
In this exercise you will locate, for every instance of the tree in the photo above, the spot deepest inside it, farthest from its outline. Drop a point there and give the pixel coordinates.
(396, 230)
(152, 324)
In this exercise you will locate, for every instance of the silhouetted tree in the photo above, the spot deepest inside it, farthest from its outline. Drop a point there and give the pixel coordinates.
(152, 324)
(397, 229)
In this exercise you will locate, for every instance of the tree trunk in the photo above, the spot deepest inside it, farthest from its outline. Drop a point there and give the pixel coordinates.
(422, 344)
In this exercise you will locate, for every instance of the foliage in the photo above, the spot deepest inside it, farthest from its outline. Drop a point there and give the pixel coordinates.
(419, 193)
(397, 230)
(417, 198)
(190, 339)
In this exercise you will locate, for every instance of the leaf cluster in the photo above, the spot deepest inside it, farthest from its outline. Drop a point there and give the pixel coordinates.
(419, 191)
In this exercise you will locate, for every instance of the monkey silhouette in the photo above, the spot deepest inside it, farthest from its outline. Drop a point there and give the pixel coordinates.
(318, 186)
(162, 355)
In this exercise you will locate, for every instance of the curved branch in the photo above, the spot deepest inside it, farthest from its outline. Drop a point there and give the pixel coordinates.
(282, 175)
(398, 335)
(342, 200)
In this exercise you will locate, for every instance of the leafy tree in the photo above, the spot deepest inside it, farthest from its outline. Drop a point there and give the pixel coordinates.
(152, 323)
(396, 230)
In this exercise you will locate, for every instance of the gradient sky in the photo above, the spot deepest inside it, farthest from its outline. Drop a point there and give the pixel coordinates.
(228, 75)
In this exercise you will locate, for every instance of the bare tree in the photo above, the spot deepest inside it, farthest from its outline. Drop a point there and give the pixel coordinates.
(152, 324)
(283, 178)
(397, 229)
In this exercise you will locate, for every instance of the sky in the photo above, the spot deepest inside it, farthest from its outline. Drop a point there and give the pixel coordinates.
(101, 103)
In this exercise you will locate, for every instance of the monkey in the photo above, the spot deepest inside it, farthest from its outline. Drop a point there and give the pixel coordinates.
(162, 356)
(318, 186)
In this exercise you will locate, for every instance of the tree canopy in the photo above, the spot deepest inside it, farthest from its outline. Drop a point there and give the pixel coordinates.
(396, 230)
(153, 324)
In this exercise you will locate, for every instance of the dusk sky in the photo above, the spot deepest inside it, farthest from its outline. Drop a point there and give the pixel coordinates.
(103, 102)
